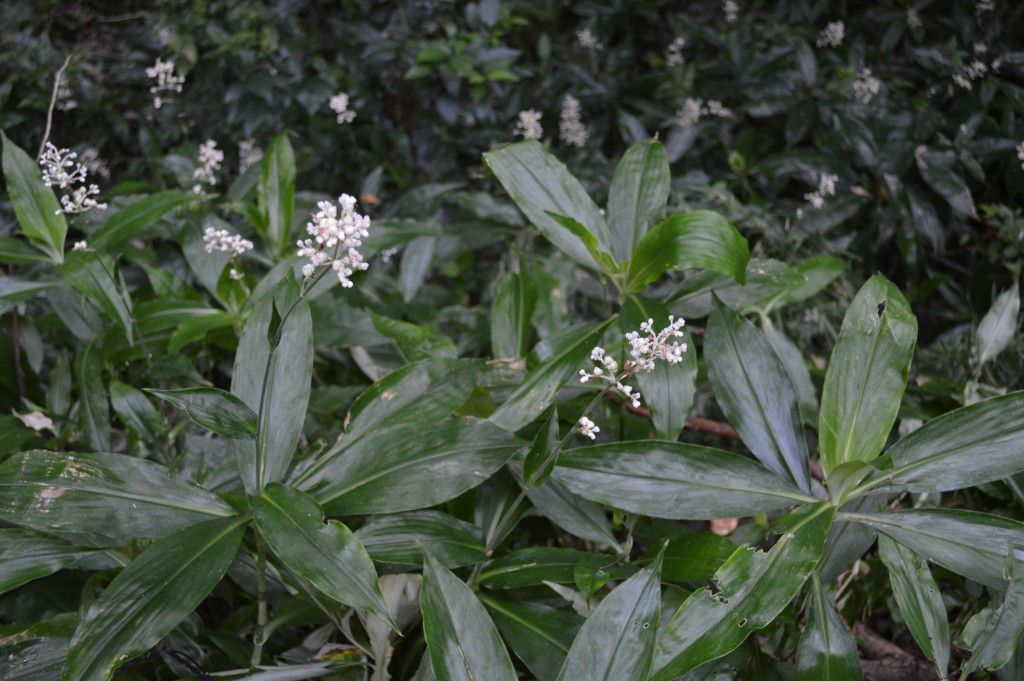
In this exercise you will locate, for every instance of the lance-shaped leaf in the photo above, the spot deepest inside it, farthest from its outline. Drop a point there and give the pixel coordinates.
(972, 544)
(827, 651)
(674, 480)
(753, 588)
(136, 412)
(540, 635)
(796, 369)
(276, 192)
(25, 556)
(993, 634)
(616, 642)
(538, 182)
(327, 555)
(385, 471)
(603, 259)
(531, 567)
(151, 596)
(35, 205)
(92, 274)
(668, 391)
(16, 251)
(696, 238)
(401, 538)
(754, 390)
(111, 495)
(540, 460)
(999, 324)
(214, 409)
(867, 375)
(515, 298)
(463, 642)
(128, 222)
(637, 196)
(919, 599)
(94, 411)
(965, 447)
(566, 354)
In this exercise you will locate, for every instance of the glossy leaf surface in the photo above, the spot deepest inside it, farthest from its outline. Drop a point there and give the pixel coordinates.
(402, 538)
(276, 192)
(93, 275)
(827, 651)
(999, 324)
(515, 299)
(537, 633)
(994, 633)
(35, 205)
(133, 219)
(25, 556)
(531, 567)
(214, 409)
(637, 195)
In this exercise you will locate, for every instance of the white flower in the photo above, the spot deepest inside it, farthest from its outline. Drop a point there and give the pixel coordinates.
(983, 6)
(65, 98)
(866, 86)
(731, 10)
(339, 105)
(832, 35)
(674, 54)
(588, 428)
(226, 242)
(690, 112)
(80, 246)
(913, 18)
(342, 234)
(249, 154)
(570, 127)
(166, 80)
(91, 160)
(962, 81)
(715, 108)
(976, 69)
(588, 40)
(826, 187)
(61, 170)
(235, 274)
(211, 158)
(529, 125)
(1020, 154)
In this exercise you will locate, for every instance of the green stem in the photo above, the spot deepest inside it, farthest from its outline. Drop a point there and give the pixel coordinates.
(259, 634)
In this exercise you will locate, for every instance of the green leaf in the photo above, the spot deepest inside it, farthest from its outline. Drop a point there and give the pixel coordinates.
(753, 588)
(603, 259)
(131, 220)
(796, 369)
(668, 391)
(999, 324)
(817, 272)
(515, 298)
(572, 513)
(213, 409)
(151, 596)
(532, 567)
(35, 205)
(975, 545)
(696, 238)
(25, 556)
(327, 555)
(196, 327)
(753, 389)
(93, 275)
(93, 408)
(919, 600)
(402, 538)
(111, 495)
(696, 556)
(765, 280)
(276, 193)
(568, 351)
(538, 634)
(538, 182)
(617, 640)
(463, 642)
(17, 252)
(539, 463)
(866, 375)
(637, 196)
(962, 448)
(993, 634)
(136, 412)
(938, 168)
(827, 651)
(674, 480)
(384, 471)
(417, 261)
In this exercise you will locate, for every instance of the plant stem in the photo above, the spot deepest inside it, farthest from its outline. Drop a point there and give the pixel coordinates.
(259, 634)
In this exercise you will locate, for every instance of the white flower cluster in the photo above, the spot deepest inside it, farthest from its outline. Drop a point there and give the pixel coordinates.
(92, 161)
(866, 86)
(588, 40)
(61, 170)
(982, 6)
(674, 54)
(608, 372)
(166, 80)
(249, 154)
(339, 105)
(340, 234)
(826, 187)
(225, 241)
(913, 18)
(570, 127)
(693, 109)
(975, 70)
(80, 246)
(529, 125)
(1020, 154)
(211, 157)
(588, 428)
(731, 10)
(65, 97)
(832, 35)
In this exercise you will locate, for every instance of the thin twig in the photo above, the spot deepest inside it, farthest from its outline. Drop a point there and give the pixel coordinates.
(53, 102)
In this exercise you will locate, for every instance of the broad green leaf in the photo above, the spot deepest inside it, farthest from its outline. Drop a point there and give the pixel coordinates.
(537, 633)
(36, 652)
(866, 375)
(796, 369)
(668, 391)
(515, 298)
(919, 600)
(92, 398)
(603, 259)
(417, 259)
(538, 182)
(213, 409)
(827, 651)
(94, 275)
(35, 205)
(196, 328)
(567, 354)
(386, 471)
(694, 239)
(753, 588)
(402, 538)
(160, 315)
(532, 567)
(151, 596)
(696, 556)
(975, 545)
(753, 389)
(16, 289)
(463, 642)
(285, 396)
(999, 324)
(994, 633)
(765, 281)
(112, 495)
(674, 480)
(637, 196)
(131, 220)
(965, 447)
(25, 556)
(136, 412)
(938, 168)
(18, 252)
(328, 555)
(539, 461)
(616, 642)
(817, 272)
(276, 193)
